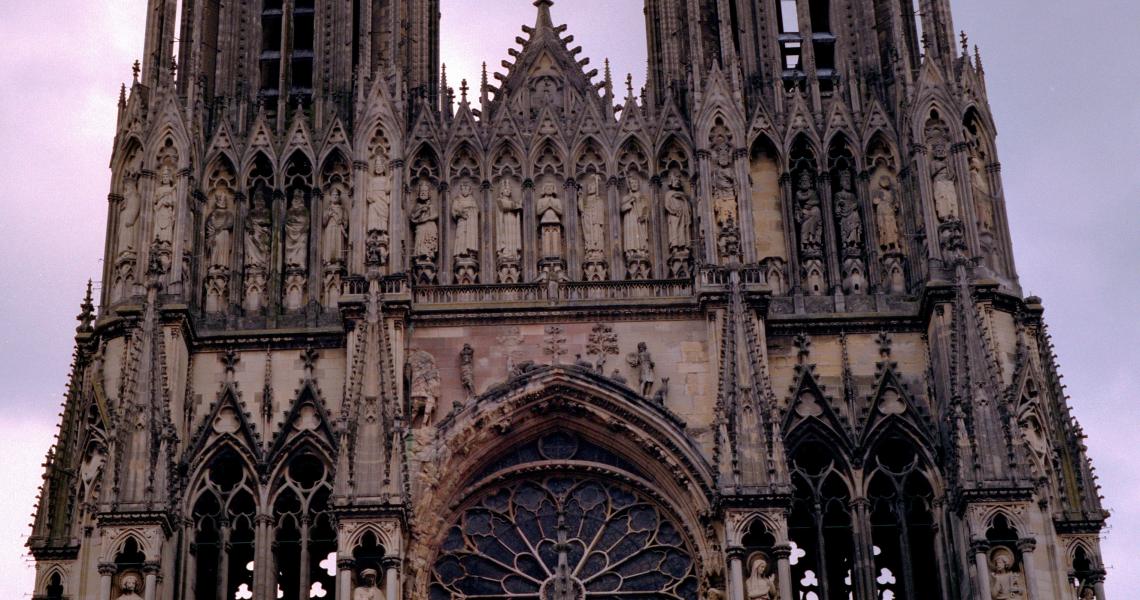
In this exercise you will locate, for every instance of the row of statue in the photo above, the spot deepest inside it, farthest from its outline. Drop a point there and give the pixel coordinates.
(635, 240)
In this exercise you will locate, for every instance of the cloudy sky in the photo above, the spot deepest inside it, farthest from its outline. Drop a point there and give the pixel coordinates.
(1062, 83)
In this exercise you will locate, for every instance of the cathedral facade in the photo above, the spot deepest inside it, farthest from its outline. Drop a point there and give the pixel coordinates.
(751, 332)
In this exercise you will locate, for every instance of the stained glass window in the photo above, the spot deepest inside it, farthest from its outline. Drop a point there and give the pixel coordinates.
(563, 537)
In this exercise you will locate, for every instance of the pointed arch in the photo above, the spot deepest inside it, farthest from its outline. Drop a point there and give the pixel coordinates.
(335, 169)
(565, 419)
(589, 153)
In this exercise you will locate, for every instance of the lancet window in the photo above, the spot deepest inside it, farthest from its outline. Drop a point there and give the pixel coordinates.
(823, 44)
(287, 50)
(232, 550)
(879, 536)
(791, 44)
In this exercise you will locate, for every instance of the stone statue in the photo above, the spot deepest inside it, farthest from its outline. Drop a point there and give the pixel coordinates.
(847, 210)
(334, 236)
(945, 192)
(549, 209)
(635, 218)
(592, 211)
(467, 369)
(679, 213)
(509, 244)
(366, 589)
(425, 222)
(761, 583)
(129, 587)
(129, 213)
(257, 235)
(643, 362)
(465, 213)
(810, 217)
(164, 207)
(297, 232)
(379, 197)
(1005, 583)
(886, 215)
(424, 392)
(983, 200)
(219, 230)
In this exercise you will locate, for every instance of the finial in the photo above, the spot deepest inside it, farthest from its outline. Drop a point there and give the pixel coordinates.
(463, 91)
(544, 19)
(86, 312)
(926, 42)
(136, 68)
(629, 84)
(123, 95)
(965, 43)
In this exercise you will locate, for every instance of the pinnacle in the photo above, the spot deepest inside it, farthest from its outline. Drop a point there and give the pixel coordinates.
(544, 20)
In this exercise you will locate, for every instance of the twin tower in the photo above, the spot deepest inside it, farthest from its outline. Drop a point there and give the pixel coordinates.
(751, 332)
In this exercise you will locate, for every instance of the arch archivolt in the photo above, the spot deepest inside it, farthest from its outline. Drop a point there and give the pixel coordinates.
(672, 470)
(981, 516)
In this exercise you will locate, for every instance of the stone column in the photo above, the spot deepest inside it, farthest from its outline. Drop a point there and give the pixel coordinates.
(1026, 546)
(190, 568)
(736, 573)
(106, 572)
(264, 582)
(391, 578)
(150, 574)
(1097, 579)
(344, 567)
(783, 554)
(980, 549)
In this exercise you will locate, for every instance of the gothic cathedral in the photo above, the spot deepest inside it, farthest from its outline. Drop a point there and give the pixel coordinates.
(752, 332)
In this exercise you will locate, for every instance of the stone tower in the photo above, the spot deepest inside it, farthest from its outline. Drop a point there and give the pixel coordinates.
(753, 332)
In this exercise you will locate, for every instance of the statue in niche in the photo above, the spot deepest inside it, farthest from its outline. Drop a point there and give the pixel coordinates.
(219, 231)
(334, 236)
(90, 471)
(425, 222)
(379, 197)
(725, 206)
(129, 587)
(635, 218)
(761, 583)
(643, 362)
(886, 207)
(983, 199)
(1005, 583)
(129, 214)
(257, 239)
(810, 217)
(366, 589)
(465, 213)
(424, 392)
(850, 223)
(164, 207)
(257, 232)
(510, 222)
(592, 211)
(297, 232)
(679, 213)
(549, 208)
(942, 177)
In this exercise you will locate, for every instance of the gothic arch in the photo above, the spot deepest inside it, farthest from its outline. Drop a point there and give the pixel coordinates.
(335, 168)
(589, 152)
(53, 575)
(466, 157)
(258, 162)
(656, 453)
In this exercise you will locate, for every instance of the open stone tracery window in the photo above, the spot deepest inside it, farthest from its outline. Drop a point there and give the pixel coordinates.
(563, 536)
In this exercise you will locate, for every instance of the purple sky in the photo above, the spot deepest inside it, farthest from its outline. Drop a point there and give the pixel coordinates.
(1064, 99)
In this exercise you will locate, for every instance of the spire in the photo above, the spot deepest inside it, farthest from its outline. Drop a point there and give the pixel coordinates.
(86, 312)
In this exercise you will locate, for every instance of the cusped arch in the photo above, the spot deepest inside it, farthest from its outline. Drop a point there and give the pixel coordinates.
(897, 428)
(120, 538)
(44, 579)
(199, 466)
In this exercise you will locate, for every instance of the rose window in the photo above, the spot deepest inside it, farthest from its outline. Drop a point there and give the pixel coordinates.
(563, 537)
